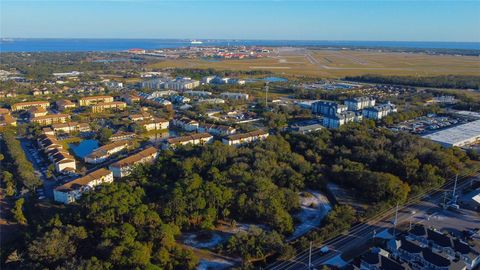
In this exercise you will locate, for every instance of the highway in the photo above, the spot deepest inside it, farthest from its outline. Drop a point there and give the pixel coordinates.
(414, 211)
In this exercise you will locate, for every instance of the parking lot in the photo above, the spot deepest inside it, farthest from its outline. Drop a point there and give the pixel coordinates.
(427, 124)
(40, 164)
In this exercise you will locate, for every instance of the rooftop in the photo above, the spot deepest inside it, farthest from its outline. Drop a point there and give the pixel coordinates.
(82, 181)
(136, 157)
(456, 135)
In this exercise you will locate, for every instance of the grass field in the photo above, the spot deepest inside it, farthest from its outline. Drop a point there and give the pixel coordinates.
(340, 63)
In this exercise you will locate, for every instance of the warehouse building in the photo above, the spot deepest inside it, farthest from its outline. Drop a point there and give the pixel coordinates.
(461, 135)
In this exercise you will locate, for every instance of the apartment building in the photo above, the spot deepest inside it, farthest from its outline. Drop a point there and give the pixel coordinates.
(104, 152)
(71, 127)
(6, 119)
(50, 119)
(65, 104)
(185, 124)
(26, 105)
(122, 135)
(244, 138)
(92, 100)
(359, 103)
(328, 108)
(181, 83)
(131, 99)
(202, 94)
(155, 124)
(194, 139)
(426, 248)
(37, 111)
(234, 96)
(100, 107)
(59, 157)
(217, 130)
(379, 111)
(72, 191)
(124, 167)
(339, 119)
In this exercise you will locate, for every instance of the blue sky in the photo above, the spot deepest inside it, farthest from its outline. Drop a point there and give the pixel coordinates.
(265, 19)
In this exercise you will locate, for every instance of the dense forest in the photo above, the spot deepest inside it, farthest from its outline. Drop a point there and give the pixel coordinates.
(134, 222)
(444, 81)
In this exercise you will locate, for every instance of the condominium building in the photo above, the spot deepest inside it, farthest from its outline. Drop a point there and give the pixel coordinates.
(71, 127)
(243, 138)
(37, 111)
(65, 104)
(185, 124)
(359, 103)
(26, 105)
(122, 135)
(379, 111)
(235, 96)
(328, 108)
(181, 83)
(124, 167)
(72, 191)
(87, 101)
(155, 124)
(339, 119)
(100, 107)
(102, 153)
(6, 119)
(50, 119)
(194, 139)
(130, 99)
(217, 130)
(197, 93)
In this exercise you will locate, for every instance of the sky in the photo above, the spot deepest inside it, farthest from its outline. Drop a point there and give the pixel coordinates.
(386, 20)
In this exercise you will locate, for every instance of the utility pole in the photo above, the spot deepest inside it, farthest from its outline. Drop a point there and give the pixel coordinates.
(454, 200)
(310, 256)
(395, 222)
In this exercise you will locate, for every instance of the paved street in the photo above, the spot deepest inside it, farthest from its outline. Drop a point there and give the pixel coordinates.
(427, 211)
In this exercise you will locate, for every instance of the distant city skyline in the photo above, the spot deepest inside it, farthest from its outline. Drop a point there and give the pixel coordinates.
(446, 21)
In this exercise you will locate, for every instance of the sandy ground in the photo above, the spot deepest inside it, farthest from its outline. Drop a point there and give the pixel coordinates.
(314, 207)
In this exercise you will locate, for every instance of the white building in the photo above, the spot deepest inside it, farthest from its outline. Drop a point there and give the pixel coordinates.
(379, 111)
(193, 139)
(155, 124)
(124, 167)
(198, 93)
(243, 138)
(185, 124)
(217, 130)
(102, 153)
(72, 191)
(460, 135)
(338, 120)
(328, 108)
(236, 96)
(359, 103)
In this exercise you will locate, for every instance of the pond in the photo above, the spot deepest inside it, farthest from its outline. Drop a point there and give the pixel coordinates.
(84, 148)
(275, 79)
(268, 79)
(158, 137)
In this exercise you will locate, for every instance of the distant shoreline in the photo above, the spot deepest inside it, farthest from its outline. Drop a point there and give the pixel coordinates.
(115, 45)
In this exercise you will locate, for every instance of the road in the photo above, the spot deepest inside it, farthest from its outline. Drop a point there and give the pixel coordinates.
(416, 212)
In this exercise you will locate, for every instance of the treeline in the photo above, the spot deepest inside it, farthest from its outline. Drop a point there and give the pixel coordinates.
(23, 169)
(110, 228)
(441, 81)
(133, 223)
(197, 73)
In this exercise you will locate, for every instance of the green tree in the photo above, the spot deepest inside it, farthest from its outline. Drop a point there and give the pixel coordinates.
(17, 211)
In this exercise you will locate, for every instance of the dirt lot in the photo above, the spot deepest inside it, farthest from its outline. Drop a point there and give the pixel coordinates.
(340, 63)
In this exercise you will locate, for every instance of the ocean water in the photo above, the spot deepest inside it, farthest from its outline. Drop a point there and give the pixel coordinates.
(109, 45)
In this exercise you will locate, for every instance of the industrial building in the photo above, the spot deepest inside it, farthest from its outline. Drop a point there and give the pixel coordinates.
(460, 135)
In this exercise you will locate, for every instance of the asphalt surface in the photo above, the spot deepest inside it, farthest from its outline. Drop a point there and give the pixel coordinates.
(427, 211)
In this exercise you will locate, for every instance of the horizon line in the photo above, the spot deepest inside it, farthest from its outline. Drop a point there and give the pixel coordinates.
(236, 39)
